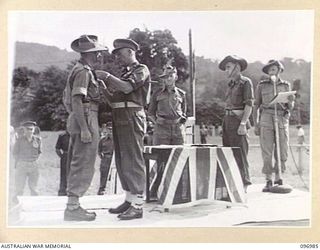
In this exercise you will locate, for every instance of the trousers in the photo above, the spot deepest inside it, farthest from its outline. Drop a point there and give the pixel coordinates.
(81, 159)
(168, 134)
(230, 138)
(63, 173)
(104, 171)
(26, 170)
(129, 127)
(268, 142)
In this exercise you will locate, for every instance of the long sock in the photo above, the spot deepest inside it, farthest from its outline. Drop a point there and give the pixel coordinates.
(73, 202)
(129, 197)
(137, 201)
(268, 177)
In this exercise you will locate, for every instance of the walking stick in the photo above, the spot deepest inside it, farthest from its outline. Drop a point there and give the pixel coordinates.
(278, 188)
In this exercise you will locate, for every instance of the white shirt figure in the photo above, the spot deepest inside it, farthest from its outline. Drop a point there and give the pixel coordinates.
(300, 135)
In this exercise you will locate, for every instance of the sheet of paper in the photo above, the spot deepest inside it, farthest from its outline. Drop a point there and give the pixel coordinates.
(282, 97)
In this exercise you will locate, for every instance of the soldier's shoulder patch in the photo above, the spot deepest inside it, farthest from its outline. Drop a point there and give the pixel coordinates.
(181, 91)
(86, 67)
(245, 79)
(81, 69)
(264, 81)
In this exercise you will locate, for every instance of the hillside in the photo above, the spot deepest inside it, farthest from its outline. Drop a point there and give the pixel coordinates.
(38, 56)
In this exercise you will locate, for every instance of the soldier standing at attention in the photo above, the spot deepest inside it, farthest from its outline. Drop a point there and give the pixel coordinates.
(129, 125)
(82, 99)
(105, 151)
(239, 102)
(264, 123)
(167, 110)
(62, 146)
(26, 152)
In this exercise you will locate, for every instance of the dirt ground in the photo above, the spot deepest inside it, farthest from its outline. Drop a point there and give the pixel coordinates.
(49, 163)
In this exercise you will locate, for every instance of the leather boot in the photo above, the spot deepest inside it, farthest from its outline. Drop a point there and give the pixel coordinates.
(78, 214)
(131, 213)
(101, 192)
(267, 187)
(278, 182)
(120, 209)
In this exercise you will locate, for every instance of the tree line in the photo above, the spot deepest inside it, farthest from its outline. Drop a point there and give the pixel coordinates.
(38, 95)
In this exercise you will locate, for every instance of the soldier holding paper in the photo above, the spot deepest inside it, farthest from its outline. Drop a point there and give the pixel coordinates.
(264, 116)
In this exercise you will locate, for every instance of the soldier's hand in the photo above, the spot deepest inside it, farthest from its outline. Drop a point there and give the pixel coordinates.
(257, 129)
(291, 98)
(102, 74)
(242, 130)
(182, 120)
(86, 136)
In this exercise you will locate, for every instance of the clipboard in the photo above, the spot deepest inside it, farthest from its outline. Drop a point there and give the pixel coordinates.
(282, 97)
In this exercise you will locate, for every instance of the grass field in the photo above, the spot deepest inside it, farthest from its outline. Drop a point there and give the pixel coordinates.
(50, 172)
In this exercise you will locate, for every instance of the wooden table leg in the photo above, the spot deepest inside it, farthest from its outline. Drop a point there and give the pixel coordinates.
(147, 161)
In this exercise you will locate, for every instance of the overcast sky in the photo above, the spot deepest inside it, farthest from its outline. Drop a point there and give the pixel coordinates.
(254, 35)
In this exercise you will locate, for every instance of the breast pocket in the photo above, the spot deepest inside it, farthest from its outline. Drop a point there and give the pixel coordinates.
(237, 98)
(267, 95)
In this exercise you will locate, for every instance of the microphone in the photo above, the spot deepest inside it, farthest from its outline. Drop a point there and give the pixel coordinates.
(273, 78)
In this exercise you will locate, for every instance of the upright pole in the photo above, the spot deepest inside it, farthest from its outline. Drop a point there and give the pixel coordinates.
(192, 84)
(276, 125)
(191, 71)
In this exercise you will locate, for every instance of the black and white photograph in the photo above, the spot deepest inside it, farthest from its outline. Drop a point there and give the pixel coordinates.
(160, 119)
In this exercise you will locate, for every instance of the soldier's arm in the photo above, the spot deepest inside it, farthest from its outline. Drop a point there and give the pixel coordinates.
(100, 147)
(78, 109)
(152, 109)
(184, 105)
(133, 82)
(16, 149)
(246, 114)
(58, 146)
(40, 146)
(115, 82)
(248, 99)
(290, 99)
(79, 90)
(256, 107)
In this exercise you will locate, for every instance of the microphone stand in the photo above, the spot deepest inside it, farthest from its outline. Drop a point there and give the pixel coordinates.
(276, 126)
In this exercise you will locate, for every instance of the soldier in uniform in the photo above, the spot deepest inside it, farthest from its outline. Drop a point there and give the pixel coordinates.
(105, 151)
(130, 94)
(81, 98)
(264, 116)
(167, 110)
(203, 134)
(62, 146)
(26, 152)
(239, 102)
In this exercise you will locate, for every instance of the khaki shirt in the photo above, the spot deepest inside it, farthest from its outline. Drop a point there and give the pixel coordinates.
(265, 93)
(138, 76)
(84, 83)
(239, 93)
(168, 105)
(81, 81)
(25, 150)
